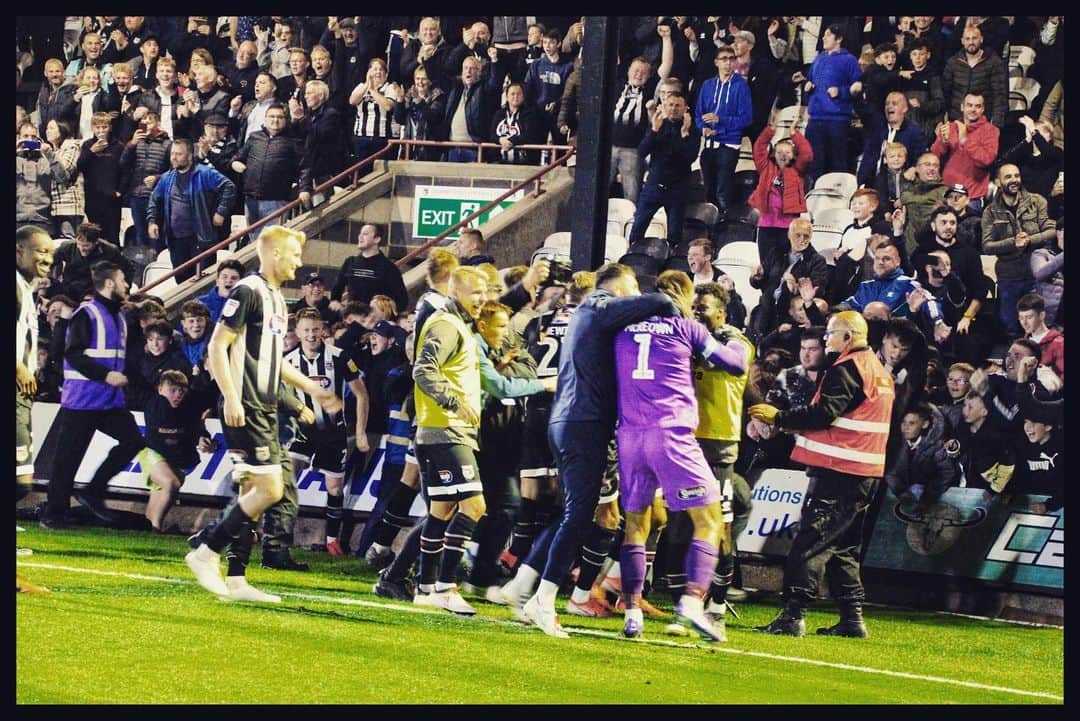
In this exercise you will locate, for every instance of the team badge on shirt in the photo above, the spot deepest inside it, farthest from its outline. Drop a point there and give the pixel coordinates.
(230, 307)
(278, 324)
(323, 381)
(446, 477)
(468, 473)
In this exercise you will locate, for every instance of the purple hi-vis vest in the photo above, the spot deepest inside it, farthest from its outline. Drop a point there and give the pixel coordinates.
(108, 338)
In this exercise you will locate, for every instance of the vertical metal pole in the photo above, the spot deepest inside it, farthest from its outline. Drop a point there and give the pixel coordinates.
(588, 226)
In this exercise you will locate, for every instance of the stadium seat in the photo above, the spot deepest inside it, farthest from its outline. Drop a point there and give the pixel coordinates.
(792, 116)
(746, 156)
(156, 270)
(646, 267)
(823, 239)
(1027, 87)
(678, 262)
(615, 246)
(620, 209)
(655, 247)
(164, 257)
(833, 220)
(989, 263)
(125, 221)
(739, 253)
(843, 183)
(740, 275)
(706, 213)
(817, 202)
(615, 226)
(558, 241)
(1022, 56)
(745, 181)
(655, 228)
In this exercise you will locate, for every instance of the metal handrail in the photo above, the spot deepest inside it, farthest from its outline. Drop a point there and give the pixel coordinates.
(353, 171)
(535, 177)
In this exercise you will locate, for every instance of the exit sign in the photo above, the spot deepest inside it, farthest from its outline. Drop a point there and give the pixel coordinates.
(437, 207)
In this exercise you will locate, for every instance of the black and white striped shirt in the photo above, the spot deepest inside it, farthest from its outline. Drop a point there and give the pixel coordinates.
(331, 368)
(258, 314)
(371, 120)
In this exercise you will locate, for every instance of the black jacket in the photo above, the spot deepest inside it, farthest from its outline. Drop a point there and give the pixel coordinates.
(812, 266)
(325, 152)
(152, 101)
(670, 153)
(522, 128)
(926, 464)
(101, 171)
(272, 165)
(367, 277)
(148, 157)
(481, 101)
(142, 386)
(435, 65)
(70, 264)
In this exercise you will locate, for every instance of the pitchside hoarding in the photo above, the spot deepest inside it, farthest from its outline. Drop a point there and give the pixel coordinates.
(1015, 542)
(212, 476)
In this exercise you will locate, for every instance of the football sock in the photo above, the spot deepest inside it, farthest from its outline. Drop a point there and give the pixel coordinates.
(722, 577)
(700, 564)
(632, 559)
(334, 513)
(410, 549)
(238, 552)
(431, 548)
(458, 533)
(593, 554)
(226, 529)
(525, 528)
(396, 516)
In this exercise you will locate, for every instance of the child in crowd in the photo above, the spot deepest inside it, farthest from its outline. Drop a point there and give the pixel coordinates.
(159, 355)
(174, 432)
(892, 181)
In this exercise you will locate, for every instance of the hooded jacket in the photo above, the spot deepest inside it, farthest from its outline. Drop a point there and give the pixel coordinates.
(839, 69)
(926, 464)
(730, 100)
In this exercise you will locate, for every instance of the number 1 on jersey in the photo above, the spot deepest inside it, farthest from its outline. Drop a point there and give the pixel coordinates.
(643, 372)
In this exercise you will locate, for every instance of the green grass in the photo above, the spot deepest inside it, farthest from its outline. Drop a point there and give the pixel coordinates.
(103, 638)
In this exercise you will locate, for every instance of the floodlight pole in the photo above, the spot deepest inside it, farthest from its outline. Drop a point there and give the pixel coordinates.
(588, 225)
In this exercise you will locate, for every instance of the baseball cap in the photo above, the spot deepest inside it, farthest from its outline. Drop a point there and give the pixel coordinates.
(388, 330)
(957, 188)
(346, 23)
(313, 278)
(746, 36)
(216, 119)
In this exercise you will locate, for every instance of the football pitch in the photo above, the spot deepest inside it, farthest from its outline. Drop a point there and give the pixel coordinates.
(127, 624)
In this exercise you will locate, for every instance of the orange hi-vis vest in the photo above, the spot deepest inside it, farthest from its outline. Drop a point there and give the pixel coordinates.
(855, 442)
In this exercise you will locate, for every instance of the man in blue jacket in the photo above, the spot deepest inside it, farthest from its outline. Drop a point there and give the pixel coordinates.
(188, 206)
(834, 79)
(902, 293)
(546, 81)
(723, 109)
(583, 419)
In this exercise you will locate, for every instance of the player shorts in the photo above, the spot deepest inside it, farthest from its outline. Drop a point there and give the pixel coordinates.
(448, 471)
(667, 458)
(326, 454)
(24, 447)
(609, 483)
(254, 447)
(721, 456)
(148, 458)
(537, 460)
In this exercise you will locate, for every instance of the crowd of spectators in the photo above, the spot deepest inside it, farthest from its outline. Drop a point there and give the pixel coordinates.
(954, 252)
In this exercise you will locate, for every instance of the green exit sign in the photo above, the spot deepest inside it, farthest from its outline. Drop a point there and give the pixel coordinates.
(436, 208)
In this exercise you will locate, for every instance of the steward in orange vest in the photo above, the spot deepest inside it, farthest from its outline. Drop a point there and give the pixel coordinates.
(841, 437)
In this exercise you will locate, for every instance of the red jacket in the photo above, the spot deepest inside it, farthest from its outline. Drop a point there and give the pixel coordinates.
(794, 200)
(1053, 352)
(969, 163)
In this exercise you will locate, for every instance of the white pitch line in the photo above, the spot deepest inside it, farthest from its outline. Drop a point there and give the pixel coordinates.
(587, 632)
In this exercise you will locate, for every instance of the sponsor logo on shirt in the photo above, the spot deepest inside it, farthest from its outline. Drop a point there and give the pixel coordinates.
(446, 477)
(278, 324)
(230, 307)
(323, 381)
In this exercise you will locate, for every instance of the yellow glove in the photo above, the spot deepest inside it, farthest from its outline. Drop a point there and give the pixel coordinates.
(764, 412)
(998, 476)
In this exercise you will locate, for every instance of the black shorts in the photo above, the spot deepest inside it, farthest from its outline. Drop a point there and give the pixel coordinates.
(326, 453)
(448, 472)
(254, 447)
(24, 448)
(537, 460)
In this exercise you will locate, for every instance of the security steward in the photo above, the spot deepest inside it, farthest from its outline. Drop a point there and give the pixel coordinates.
(841, 437)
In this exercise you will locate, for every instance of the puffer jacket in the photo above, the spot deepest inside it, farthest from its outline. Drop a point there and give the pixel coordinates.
(987, 78)
(148, 157)
(925, 465)
(1000, 224)
(794, 201)
(273, 164)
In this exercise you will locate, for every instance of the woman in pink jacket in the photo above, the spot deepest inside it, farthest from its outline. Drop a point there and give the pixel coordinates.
(780, 195)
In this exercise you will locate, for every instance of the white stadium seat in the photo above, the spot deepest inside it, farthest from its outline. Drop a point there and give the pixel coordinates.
(742, 253)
